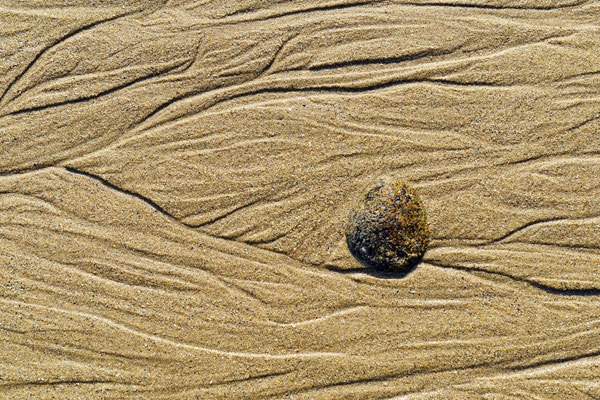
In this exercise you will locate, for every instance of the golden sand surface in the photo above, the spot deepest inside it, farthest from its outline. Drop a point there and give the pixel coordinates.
(176, 175)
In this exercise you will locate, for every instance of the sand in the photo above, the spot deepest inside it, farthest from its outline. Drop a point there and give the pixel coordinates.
(175, 178)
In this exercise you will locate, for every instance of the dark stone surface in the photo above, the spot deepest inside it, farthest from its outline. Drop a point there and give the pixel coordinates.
(387, 229)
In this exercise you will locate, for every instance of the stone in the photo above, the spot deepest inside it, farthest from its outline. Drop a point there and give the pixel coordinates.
(387, 229)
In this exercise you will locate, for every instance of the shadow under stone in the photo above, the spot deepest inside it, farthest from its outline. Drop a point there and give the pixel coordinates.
(377, 273)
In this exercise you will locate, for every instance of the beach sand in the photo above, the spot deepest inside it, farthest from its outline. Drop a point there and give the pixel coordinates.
(176, 176)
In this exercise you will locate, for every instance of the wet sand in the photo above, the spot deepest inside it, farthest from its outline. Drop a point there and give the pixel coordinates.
(175, 178)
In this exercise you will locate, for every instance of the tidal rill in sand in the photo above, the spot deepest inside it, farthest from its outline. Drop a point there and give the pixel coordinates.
(387, 230)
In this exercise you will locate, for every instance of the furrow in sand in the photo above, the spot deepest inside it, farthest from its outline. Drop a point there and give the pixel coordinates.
(161, 340)
(55, 43)
(111, 186)
(165, 69)
(591, 292)
(461, 4)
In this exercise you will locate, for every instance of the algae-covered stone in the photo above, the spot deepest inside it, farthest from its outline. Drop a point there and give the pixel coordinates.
(387, 230)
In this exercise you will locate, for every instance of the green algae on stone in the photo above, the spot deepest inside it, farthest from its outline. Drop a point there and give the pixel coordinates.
(387, 230)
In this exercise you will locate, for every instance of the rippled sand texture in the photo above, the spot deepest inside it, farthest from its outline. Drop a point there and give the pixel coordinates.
(175, 179)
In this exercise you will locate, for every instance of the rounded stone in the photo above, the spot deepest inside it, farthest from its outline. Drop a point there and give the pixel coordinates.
(387, 230)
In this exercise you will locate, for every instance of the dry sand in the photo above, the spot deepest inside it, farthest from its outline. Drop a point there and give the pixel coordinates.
(175, 177)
